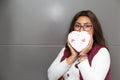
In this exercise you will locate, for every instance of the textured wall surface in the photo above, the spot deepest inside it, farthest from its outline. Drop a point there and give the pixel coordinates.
(32, 32)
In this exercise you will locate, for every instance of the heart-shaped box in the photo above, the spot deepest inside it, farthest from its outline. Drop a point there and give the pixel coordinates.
(79, 40)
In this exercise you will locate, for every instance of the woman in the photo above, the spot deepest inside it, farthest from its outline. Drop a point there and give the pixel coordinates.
(92, 63)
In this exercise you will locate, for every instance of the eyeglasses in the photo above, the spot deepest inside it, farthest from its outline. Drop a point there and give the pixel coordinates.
(86, 27)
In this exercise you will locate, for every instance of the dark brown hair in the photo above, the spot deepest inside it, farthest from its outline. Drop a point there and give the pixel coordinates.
(98, 36)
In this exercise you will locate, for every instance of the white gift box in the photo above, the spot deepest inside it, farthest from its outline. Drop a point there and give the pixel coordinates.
(79, 40)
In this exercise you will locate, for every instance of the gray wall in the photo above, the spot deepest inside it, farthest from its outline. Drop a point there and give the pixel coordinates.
(32, 32)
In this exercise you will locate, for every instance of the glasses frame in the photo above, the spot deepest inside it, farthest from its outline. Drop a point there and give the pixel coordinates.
(85, 27)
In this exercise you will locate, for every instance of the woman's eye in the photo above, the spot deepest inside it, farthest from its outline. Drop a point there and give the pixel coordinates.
(77, 25)
(88, 25)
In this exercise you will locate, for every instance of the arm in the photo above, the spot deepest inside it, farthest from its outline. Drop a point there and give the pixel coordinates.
(99, 66)
(57, 68)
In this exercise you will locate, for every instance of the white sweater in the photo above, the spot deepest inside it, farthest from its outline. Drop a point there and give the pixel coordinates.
(97, 71)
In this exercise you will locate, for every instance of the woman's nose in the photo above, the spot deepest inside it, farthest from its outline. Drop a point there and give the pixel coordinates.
(81, 29)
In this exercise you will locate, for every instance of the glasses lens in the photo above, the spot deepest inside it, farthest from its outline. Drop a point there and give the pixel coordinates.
(77, 25)
(87, 26)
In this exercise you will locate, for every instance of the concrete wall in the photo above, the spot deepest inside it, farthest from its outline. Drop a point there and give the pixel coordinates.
(32, 32)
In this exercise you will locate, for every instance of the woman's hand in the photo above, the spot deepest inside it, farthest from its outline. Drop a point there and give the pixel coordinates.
(73, 52)
(73, 55)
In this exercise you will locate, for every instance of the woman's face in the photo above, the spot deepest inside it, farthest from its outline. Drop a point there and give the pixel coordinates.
(83, 23)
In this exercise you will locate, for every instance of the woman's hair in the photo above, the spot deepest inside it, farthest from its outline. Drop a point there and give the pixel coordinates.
(98, 33)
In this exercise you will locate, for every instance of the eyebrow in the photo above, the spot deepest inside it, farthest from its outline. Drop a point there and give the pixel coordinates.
(77, 22)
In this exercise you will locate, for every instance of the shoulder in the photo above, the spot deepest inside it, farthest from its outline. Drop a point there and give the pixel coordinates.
(103, 53)
(63, 49)
(99, 47)
(103, 50)
(98, 50)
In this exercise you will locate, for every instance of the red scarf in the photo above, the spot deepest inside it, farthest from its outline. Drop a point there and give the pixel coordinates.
(91, 54)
